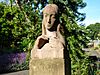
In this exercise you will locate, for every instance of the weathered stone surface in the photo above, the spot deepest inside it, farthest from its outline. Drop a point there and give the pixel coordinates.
(47, 55)
(51, 43)
(47, 67)
(53, 49)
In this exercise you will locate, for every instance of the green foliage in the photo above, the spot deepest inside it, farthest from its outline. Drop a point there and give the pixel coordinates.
(16, 33)
(94, 31)
(19, 67)
(24, 25)
(96, 48)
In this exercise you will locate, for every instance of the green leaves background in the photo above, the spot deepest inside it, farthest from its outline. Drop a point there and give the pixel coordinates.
(21, 22)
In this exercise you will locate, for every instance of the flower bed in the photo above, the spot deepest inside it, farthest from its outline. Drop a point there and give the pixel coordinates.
(13, 62)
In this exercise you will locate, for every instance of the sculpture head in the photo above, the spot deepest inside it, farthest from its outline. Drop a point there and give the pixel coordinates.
(50, 14)
(51, 21)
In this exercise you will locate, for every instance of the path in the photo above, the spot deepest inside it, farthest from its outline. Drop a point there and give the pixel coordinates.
(25, 72)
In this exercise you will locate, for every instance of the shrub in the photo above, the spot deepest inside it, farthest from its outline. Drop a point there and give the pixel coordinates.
(13, 62)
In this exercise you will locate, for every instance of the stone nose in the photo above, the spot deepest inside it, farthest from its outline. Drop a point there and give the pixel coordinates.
(49, 20)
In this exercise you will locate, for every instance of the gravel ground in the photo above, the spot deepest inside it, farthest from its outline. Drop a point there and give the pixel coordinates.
(25, 72)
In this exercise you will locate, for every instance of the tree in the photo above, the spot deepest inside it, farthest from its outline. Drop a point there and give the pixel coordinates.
(16, 33)
(94, 31)
(27, 26)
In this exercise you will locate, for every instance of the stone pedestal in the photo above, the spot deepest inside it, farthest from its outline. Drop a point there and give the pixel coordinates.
(47, 67)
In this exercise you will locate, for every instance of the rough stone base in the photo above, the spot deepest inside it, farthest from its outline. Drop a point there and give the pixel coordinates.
(46, 67)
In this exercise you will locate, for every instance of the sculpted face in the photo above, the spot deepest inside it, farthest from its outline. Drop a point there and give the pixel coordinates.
(49, 17)
(49, 20)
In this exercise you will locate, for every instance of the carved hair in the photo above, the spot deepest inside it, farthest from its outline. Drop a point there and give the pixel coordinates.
(53, 8)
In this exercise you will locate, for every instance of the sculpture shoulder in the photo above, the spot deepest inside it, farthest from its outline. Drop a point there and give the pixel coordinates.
(42, 37)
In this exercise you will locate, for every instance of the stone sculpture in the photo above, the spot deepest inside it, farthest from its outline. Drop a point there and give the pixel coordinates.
(51, 43)
(47, 55)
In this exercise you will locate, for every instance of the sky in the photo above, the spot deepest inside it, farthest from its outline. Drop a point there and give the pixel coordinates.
(92, 11)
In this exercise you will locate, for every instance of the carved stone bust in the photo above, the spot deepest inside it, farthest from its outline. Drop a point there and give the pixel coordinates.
(51, 43)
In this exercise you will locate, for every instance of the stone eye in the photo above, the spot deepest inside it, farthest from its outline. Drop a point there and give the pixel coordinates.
(46, 15)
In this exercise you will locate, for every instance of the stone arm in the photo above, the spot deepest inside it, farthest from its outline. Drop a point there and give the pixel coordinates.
(39, 43)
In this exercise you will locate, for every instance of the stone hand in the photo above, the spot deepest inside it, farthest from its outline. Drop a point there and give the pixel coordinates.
(41, 41)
